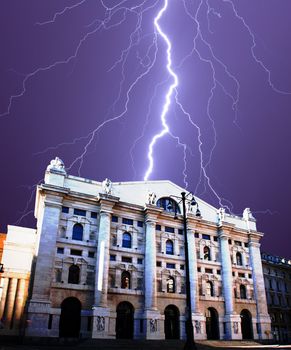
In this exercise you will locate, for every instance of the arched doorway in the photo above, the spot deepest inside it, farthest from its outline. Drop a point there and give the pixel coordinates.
(70, 320)
(246, 324)
(212, 325)
(172, 322)
(124, 320)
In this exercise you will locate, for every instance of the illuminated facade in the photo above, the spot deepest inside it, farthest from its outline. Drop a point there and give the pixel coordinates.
(111, 264)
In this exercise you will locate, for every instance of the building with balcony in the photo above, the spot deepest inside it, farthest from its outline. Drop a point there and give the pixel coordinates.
(110, 263)
(277, 275)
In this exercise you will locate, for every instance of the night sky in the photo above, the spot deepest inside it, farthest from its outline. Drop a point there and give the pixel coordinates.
(67, 66)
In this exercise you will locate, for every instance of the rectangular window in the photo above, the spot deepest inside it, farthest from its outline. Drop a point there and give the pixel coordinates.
(159, 263)
(207, 237)
(140, 326)
(93, 215)
(127, 221)
(158, 227)
(114, 218)
(233, 273)
(112, 257)
(139, 261)
(65, 210)
(229, 241)
(238, 243)
(246, 245)
(89, 323)
(250, 275)
(199, 269)
(169, 229)
(182, 267)
(218, 272)
(60, 250)
(50, 322)
(180, 231)
(126, 259)
(196, 235)
(240, 274)
(79, 212)
(76, 252)
(91, 254)
(170, 266)
(140, 223)
(208, 271)
(215, 239)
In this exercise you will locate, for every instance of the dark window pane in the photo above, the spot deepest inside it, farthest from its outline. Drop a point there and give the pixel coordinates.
(170, 229)
(93, 215)
(126, 240)
(126, 259)
(159, 263)
(180, 231)
(127, 221)
(170, 266)
(114, 218)
(79, 212)
(139, 261)
(74, 274)
(169, 205)
(140, 224)
(207, 237)
(60, 250)
(158, 227)
(78, 232)
(65, 210)
(112, 257)
(169, 247)
(76, 252)
(91, 254)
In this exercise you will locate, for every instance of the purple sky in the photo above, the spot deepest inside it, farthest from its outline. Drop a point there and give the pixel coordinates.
(63, 102)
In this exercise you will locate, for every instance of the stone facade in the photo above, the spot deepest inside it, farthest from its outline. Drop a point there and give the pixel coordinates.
(111, 263)
(277, 275)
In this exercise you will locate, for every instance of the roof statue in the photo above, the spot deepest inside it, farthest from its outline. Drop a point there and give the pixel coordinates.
(107, 186)
(56, 164)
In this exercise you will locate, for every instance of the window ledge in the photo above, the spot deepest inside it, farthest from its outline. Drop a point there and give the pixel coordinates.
(60, 285)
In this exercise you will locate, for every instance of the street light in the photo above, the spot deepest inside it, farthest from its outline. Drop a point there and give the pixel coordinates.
(190, 343)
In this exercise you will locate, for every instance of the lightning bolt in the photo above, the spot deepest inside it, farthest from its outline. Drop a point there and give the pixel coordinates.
(165, 129)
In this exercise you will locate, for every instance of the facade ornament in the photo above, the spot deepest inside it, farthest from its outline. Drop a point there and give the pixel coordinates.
(100, 323)
(152, 198)
(198, 327)
(153, 325)
(235, 327)
(220, 216)
(107, 186)
(56, 164)
(247, 214)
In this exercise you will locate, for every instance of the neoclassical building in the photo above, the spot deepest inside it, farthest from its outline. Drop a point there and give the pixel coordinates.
(110, 263)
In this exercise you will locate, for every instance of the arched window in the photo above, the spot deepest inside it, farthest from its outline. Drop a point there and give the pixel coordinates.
(168, 204)
(74, 274)
(206, 253)
(209, 289)
(125, 280)
(238, 259)
(78, 232)
(170, 285)
(169, 247)
(126, 240)
(243, 292)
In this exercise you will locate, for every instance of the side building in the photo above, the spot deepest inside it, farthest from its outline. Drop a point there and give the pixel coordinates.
(277, 275)
(111, 263)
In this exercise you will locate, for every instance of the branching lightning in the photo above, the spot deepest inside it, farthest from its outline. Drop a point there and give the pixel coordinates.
(195, 11)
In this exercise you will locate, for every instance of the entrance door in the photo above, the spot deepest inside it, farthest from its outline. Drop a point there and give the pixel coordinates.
(212, 325)
(70, 319)
(246, 324)
(172, 323)
(124, 321)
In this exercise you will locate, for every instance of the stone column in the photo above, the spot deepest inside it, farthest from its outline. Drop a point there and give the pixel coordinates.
(48, 225)
(19, 301)
(101, 312)
(263, 317)
(226, 275)
(10, 300)
(193, 272)
(151, 314)
(3, 296)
